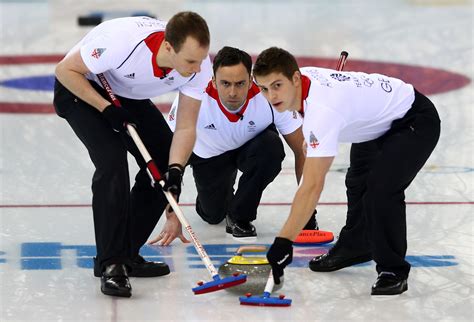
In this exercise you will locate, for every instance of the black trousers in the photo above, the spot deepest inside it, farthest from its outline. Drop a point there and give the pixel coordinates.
(123, 219)
(380, 171)
(260, 162)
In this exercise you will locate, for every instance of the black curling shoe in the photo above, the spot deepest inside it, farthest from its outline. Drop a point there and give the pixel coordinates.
(114, 281)
(337, 258)
(389, 283)
(143, 268)
(241, 230)
(139, 267)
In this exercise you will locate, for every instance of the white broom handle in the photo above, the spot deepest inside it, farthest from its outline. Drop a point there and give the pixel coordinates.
(270, 284)
(146, 156)
(199, 248)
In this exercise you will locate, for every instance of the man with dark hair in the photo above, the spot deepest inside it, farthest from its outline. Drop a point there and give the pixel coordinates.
(237, 130)
(141, 58)
(393, 130)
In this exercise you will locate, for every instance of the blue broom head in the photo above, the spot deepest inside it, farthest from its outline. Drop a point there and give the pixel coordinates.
(264, 300)
(219, 283)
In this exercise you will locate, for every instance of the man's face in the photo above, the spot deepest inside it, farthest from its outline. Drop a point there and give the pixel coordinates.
(188, 60)
(279, 90)
(232, 84)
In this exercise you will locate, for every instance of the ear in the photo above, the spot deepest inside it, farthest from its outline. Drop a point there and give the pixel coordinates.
(214, 82)
(250, 82)
(254, 79)
(296, 79)
(168, 47)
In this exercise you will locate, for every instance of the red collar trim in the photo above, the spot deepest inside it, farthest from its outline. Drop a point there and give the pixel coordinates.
(232, 117)
(153, 42)
(305, 85)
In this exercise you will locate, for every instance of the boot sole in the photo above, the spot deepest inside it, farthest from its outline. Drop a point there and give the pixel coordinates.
(245, 239)
(153, 273)
(389, 292)
(116, 293)
(347, 263)
(156, 273)
(251, 239)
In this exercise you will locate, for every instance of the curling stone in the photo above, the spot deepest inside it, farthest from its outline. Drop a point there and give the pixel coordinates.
(256, 268)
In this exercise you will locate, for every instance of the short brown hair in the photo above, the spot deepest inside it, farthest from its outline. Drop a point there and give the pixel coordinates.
(275, 60)
(230, 56)
(184, 24)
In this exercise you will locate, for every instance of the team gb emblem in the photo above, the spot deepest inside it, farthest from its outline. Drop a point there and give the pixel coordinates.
(171, 114)
(313, 141)
(97, 52)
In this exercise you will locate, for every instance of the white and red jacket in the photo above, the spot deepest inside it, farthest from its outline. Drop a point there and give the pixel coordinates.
(125, 50)
(220, 130)
(349, 107)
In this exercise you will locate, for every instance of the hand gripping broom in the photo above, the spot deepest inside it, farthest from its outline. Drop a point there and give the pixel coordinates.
(217, 283)
(266, 299)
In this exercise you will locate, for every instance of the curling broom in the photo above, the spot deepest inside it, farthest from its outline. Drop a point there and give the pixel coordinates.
(217, 282)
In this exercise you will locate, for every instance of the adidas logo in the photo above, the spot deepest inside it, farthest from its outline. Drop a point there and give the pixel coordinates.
(210, 127)
(131, 76)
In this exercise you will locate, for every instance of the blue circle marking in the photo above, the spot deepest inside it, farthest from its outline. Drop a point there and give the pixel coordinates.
(38, 83)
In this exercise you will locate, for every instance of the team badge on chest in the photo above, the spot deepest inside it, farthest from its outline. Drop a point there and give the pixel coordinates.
(169, 80)
(251, 127)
